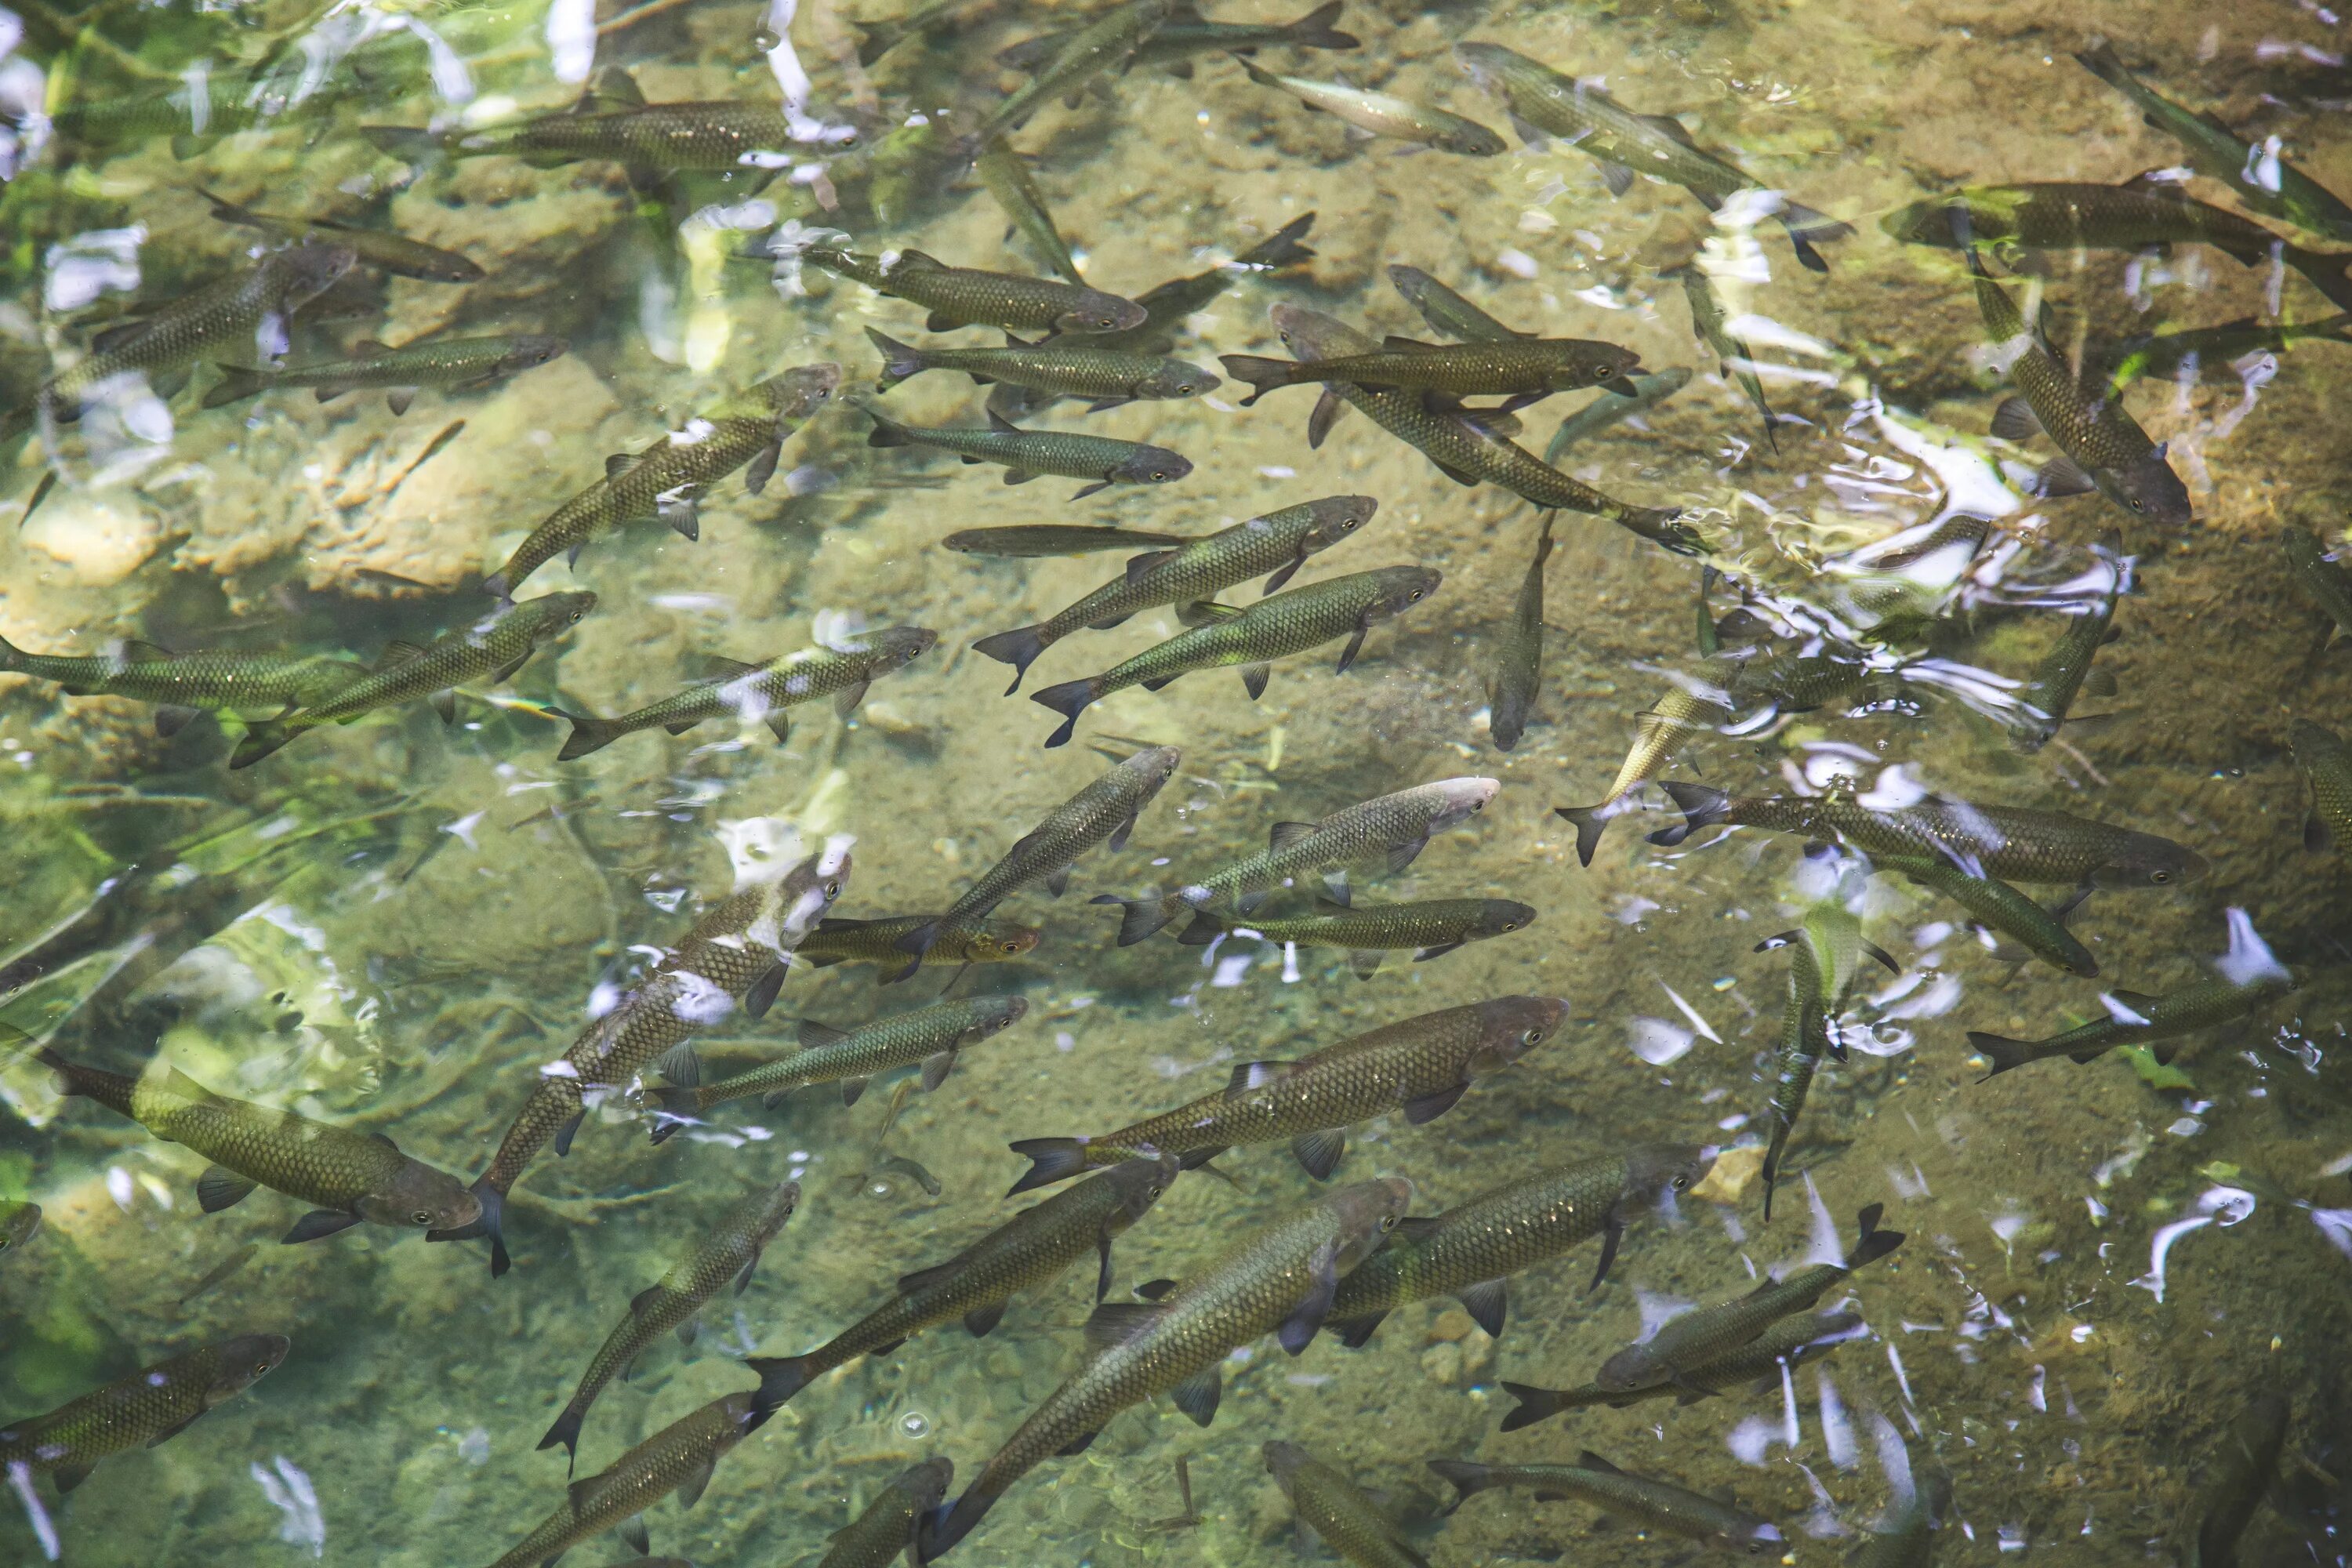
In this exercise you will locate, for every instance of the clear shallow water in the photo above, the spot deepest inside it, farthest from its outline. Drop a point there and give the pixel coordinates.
(394, 925)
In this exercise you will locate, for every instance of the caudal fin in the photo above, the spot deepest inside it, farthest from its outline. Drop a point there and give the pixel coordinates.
(1050, 1160)
(406, 141)
(1018, 647)
(1808, 228)
(899, 360)
(1315, 30)
(1281, 248)
(491, 1224)
(949, 1523)
(1069, 699)
(1874, 1243)
(260, 739)
(237, 381)
(10, 656)
(780, 1377)
(1466, 1478)
(1700, 805)
(1139, 917)
(566, 1431)
(670, 1108)
(886, 432)
(1591, 822)
(589, 734)
(917, 943)
(1262, 374)
(1534, 1404)
(2001, 1051)
(2326, 274)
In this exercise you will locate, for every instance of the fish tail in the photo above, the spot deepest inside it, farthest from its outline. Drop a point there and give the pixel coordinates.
(2339, 327)
(1662, 526)
(1140, 916)
(899, 360)
(1069, 699)
(1782, 1126)
(1700, 805)
(1590, 824)
(1018, 647)
(1050, 1160)
(589, 734)
(672, 1107)
(2326, 274)
(1467, 1479)
(1536, 1405)
(237, 382)
(1808, 228)
(1205, 928)
(950, 1522)
(111, 1090)
(260, 739)
(565, 1431)
(1315, 30)
(780, 1377)
(2001, 1051)
(1282, 248)
(1262, 374)
(497, 587)
(1874, 1243)
(405, 141)
(491, 1224)
(887, 432)
(10, 656)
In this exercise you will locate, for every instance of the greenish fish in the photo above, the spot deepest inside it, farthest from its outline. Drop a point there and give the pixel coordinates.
(839, 940)
(1106, 376)
(491, 649)
(1789, 1342)
(2326, 761)
(1421, 1066)
(1005, 174)
(379, 249)
(2138, 1018)
(1707, 1334)
(1824, 961)
(1025, 454)
(2015, 843)
(763, 693)
(1288, 622)
(1469, 1252)
(195, 115)
(728, 1254)
(669, 481)
(1447, 311)
(968, 297)
(18, 1221)
(1340, 1513)
(2049, 693)
(1607, 413)
(1659, 732)
(1027, 1252)
(1107, 45)
(713, 136)
(1385, 114)
(2220, 354)
(182, 685)
(1520, 370)
(880, 1536)
(1166, 307)
(2319, 577)
(1711, 324)
(139, 1411)
(1187, 33)
(349, 1177)
(454, 363)
(1518, 670)
(2237, 1476)
(1655, 1504)
(1367, 933)
(678, 1459)
(1281, 1280)
(237, 1258)
(1544, 104)
(1277, 542)
(1029, 541)
(1997, 906)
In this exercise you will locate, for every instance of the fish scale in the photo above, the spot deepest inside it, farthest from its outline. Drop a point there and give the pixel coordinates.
(839, 940)
(966, 296)
(1792, 1341)
(1514, 365)
(2201, 1005)
(763, 690)
(875, 1538)
(1999, 907)
(1518, 671)
(1341, 1514)
(678, 1459)
(455, 362)
(212, 679)
(2326, 761)
(711, 137)
(1061, 367)
(138, 1411)
(1655, 1504)
(850, 1058)
(1434, 926)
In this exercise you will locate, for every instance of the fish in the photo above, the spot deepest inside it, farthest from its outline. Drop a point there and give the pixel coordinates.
(1107, 45)
(2048, 695)
(1792, 1341)
(1711, 324)
(1422, 1066)
(456, 364)
(1029, 541)
(1385, 114)
(1005, 174)
(1369, 932)
(1108, 377)
(729, 1252)
(1997, 906)
(1520, 370)
(765, 692)
(379, 249)
(219, 1273)
(148, 1407)
(1544, 104)
(1660, 731)
(1337, 1511)
(1903, 1538)
(2237, 1476)
(735, 954)
(245, 313)
(1167, 306)
(193, 115)
(1645, 392)
(2138, 1018)
(1025, 454)
(1187, 33)
(930, 1037)
(1277, 542)
(2256, 174)
(1288, 622)
(1102, 813)
(1391, 829)
(1462, 452)
(1518, 671)
(1447, 311)
(880, 1536)
(716, 136)
(2326, 761)
(1654, 1504)
(182, 685)
(1280, 1279)
(678, 1459)
(667, 481)
(1468, 1252)
(2212, 353)
(491, 649)
(1824, 960)
(967, 296)
(1027, 1252)
(1707, 1334)
(18, 1223)
(2319, 577)
(839, 940)
(2015, 843)
(347, 1176)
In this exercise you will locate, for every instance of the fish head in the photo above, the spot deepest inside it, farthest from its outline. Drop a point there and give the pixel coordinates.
(447, 266)
(1157, 765)
(1000, 941)
(1152, 465)
(1367, 1214)
(1628, 1368)
(894, 648)
(1177, 379)
(18, 1224)
(244, 1362)
(555, 614)
(1460, 800)
(1511, 1026)
(926, 1485)
(1469, 139)
(1312, 335)
(308, 269)
(802, 896)
(2312, 743)
(800, 391)
(997, 1014)
(531, 351)
(1399, 588)
(1612, 372)
(1096, 311)
(1141, 1183)
(2303, 548)
(1486, 65)
(1657, 1175)
(1335, 517)
(1284, 1460)
(1760, 1539)
(2147, 861)
(422, 1199)
(1497, 917)
(2148, 490)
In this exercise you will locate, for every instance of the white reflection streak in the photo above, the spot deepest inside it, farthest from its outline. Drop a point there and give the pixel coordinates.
(1837, 1431)
(20, 1476)
(2153, 1280)
(571, 39)
(1701, 1025)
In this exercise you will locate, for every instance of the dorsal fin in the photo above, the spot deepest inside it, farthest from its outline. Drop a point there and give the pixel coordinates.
(138, 652)
(920, 262)
(1672, 127)
(1000, 424)
(367, 346)
(1248, 1076)
(1328, 906)
(720, 668)
(1283, 835)
(1588, 1460)
(1116, 1322)
(1397, 345)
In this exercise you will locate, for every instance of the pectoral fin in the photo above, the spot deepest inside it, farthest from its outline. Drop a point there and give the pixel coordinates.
(219, 1188)
(1319, 1152)
(1197, 1395)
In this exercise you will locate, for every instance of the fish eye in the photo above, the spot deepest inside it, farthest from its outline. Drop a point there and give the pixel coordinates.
(833, 889)
(1417, 593)
(2136, 505)
(1533, 1036)
(1158, 475)
(260, 1368)
(1682, 1181)
(1388, 1221)
(422, 1216)
(2160, 877)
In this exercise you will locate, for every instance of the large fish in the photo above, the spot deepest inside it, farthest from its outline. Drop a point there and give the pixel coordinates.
(2326, 761)
(1028, 1251)
(1031, 541)
(456, 364)
(1660, 731)
(1996, 906)
(1788, 1342)
(148, 1407)
(1340, 1513)
(1711, 324)
(1025, 454)
(763, 692)
(1517, 669)
(181, 685)
(2241, 1472)
(1107, 377)
(877, 1538)
(968, 297)
(1367, 933)
(678, 1459)
(1109, 44)
(1187, 33)
(1447, 311)
(1281, 1278)
(347, 1176)
(2138, 1018)
(1421, 1066)
(1654, 1504)
(1385, 114)
(839, 940)
(1824, 960)
(713, 136)
(380, 249)
(726, 1255)
(2048, 695)
(1005, 174)
(1520, 370)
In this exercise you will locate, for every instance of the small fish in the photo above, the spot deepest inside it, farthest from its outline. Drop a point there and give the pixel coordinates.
(1108, 45)
(2326, 761)
(1660, 731)
(667, 481)
(1288, 622)
(1790, 1342)
(182, 685)
(349, 1177)
(729, 1252)
(1709, 1334)
(1655, 1504)
(1520, 370)
(2218, 354)
(2049, 693)
(1710, 323)
(1340, 1513)
(931, 1039)
(1384, 114)
(1518, 671)
(1468, 1252)
(146, 1408)
(763, 692)
(491, 649)
(380, 249)
(714, 137)
(1447, 311)
(1606, 413)
(1280, 1279)
(455, 364)
(837, 940)
(2015, 843)
(2319, 577)
(1422, 1066)
(1025, 454)
(1186, 33)
(678, 1459)
(1544, 104)
(1027, 1252)
(1029, 541)
(1106, 376)
(219, 1273)
(18, 1221)
(1997, 906)
(967, 296)
(1005, 174)
(1167, 306)
(1824, 961)
(2138, 1018)
(2236, 1477)
(880, 1536)
(1367, 933)
(1277, 542)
